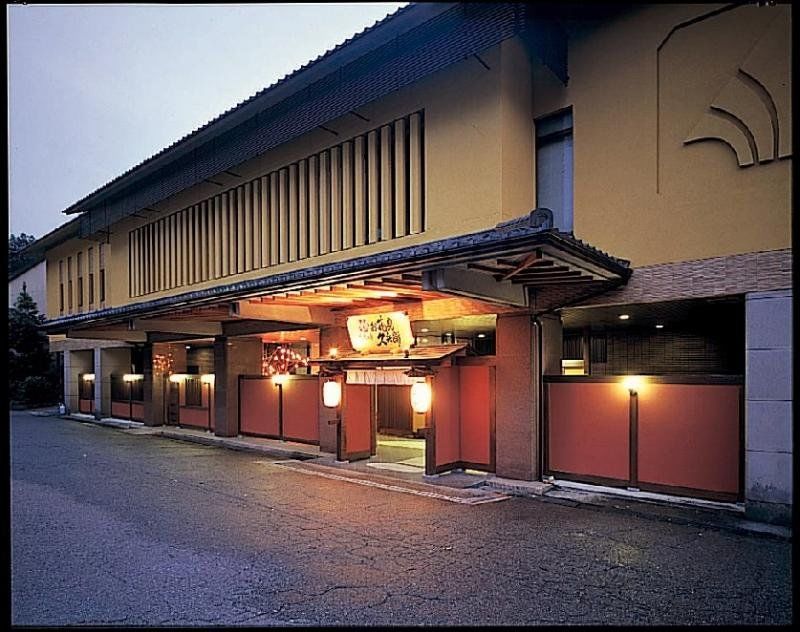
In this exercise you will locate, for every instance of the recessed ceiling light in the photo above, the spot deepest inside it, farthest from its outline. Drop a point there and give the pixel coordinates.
(424, 330)
(188, 346)
(481, 335)
(624, 316)
(424, 340)
(659, 326)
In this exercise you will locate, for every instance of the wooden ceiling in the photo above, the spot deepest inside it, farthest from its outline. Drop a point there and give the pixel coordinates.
(534, 269)
(377, 292)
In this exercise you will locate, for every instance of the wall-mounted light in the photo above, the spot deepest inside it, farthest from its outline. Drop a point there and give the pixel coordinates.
(659, 326)
(424, 330)
(177, 378)
(88, 377)
(333, 352)
(624, 316)
(481, 335)
(132, 377)
(332, 393)
(421, 397)
(188, 346)
(633, 383)
(279, 379)
(207, 378)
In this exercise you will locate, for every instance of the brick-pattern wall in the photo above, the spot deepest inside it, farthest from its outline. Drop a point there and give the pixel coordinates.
(718, 276)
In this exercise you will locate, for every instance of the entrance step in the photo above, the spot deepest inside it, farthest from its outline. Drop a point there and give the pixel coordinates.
(440, 492)
(517, 487)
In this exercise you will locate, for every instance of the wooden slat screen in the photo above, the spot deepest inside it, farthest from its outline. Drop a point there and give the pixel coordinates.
(365, 189)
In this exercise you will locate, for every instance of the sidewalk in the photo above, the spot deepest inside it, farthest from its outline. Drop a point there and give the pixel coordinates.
(469, 488)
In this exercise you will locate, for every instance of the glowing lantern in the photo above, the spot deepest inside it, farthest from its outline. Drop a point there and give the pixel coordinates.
(332, 393)
(279, 379)
(421, 397)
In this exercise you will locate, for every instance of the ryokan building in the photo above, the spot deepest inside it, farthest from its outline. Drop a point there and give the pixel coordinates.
(570, 225)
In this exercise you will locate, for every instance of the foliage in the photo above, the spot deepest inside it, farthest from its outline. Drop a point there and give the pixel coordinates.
(16, 244)
(29, 355)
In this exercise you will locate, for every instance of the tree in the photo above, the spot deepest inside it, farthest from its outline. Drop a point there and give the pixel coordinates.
(31, 370)
(16, 244)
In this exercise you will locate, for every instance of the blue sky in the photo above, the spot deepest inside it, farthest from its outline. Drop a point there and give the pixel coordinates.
(95, 89)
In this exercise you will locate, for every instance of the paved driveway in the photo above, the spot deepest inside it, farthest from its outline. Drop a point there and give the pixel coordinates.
(112, 528)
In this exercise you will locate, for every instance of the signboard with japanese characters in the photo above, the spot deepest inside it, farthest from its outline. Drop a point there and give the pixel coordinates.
(380, 333)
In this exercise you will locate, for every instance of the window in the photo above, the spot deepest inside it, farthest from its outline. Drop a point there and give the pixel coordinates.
(102, 274)
(554, 167)
(90, 256)
(69, 283)
(61, 286)
(79, 264)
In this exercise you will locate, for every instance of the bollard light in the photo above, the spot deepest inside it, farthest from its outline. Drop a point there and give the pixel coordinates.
(421, 397)
(279, 379)
(332, 393)
(633, 383)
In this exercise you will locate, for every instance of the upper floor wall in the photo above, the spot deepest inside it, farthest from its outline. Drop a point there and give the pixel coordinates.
(33, 281)
(679, 150)
(682, 130)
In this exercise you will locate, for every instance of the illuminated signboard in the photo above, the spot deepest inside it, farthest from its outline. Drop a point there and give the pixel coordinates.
(380, 333)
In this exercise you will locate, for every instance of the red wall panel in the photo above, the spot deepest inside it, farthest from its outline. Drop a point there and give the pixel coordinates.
(689, 436)
(445, 409)
(258, 411)
(138, 412)
(301, 409)
(475, 408)
(357, 418)
(196, 417)
(86, 406)
(588, 429)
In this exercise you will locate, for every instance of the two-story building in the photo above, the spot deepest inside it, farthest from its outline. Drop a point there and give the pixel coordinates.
(547, 241)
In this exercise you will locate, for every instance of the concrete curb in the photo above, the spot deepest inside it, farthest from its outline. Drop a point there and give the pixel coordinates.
(233, 444)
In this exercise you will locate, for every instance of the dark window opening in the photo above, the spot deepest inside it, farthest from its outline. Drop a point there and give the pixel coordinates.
(194, 392)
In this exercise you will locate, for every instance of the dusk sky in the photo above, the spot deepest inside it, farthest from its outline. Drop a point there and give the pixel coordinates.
(93, 90)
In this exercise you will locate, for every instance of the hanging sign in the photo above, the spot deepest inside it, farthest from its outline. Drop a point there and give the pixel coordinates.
(380, 333)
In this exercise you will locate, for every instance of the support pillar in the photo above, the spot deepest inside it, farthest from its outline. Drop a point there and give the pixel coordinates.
(518, 414)
(115, 360)
(330, 337)
(232, 357)
(153, 390)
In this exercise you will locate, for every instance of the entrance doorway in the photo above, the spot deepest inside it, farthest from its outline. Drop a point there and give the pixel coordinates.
(398, 444)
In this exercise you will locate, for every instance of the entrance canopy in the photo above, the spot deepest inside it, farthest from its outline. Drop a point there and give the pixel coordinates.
(418, 356)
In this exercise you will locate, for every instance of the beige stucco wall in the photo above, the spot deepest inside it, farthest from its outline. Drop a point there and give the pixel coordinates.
(640, 192)
(641, 85)
(35, 285)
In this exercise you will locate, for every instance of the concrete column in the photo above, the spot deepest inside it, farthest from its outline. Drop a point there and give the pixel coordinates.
(330, 337)
(768, 405)
(519, 393)
(115, 360)
(75, 363)
(153, 390)
(232, 357)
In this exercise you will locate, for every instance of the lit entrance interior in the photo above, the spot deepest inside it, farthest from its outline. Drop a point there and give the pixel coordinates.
(398, 442)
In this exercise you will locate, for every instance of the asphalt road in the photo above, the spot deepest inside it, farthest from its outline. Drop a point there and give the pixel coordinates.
(111, 528)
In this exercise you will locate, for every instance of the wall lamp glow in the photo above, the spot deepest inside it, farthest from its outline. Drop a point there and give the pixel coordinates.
(279, 379)
(624, 316)
(633, 383)
(207, 378)
(177, 378)
(132, 377)
(333, 352)
(332, 393)
(659, 326)
(88, 377)
(421, 397)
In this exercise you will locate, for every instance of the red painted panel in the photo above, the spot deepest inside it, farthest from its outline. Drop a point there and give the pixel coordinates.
(689, 436)
(121, 410)
(357, 418)
(258, 407)
(445, 409)
(301, 409)
(197, 417)
(475, 413)
(588, 429)
(138, 412)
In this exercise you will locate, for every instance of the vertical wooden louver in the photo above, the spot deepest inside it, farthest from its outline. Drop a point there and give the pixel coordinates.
(363, 190)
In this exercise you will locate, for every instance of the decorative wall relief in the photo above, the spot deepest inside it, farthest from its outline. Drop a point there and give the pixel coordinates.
(752, 112)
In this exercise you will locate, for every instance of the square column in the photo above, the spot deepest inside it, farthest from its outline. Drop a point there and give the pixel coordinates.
(518, 401)
(768, 405)
(115, 360)
(232, 357)
(75, 363)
